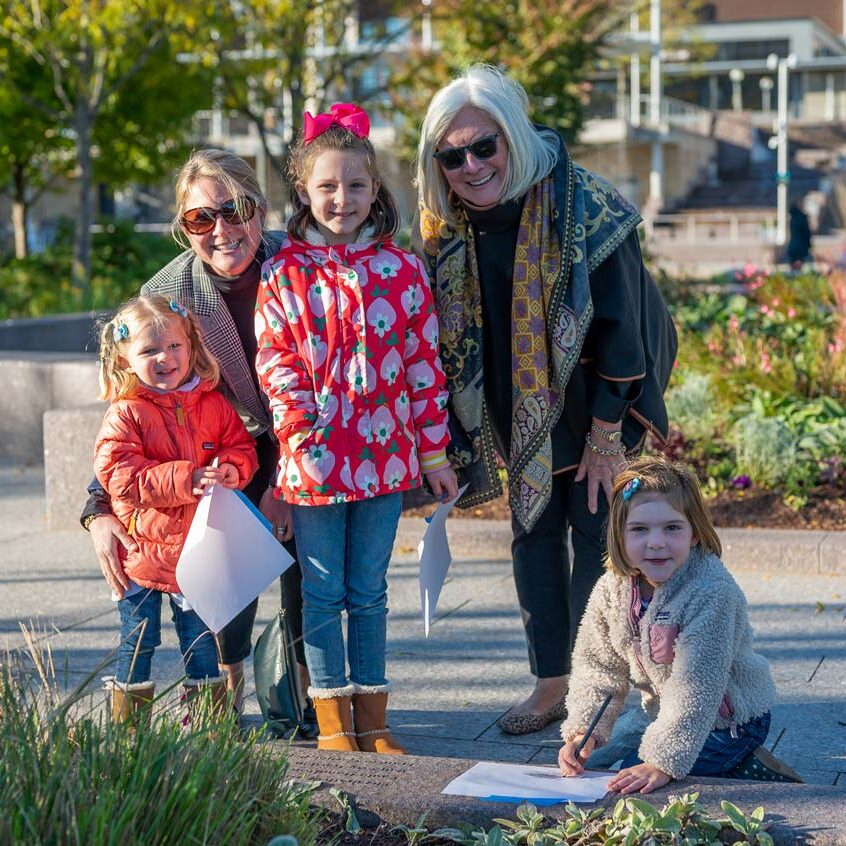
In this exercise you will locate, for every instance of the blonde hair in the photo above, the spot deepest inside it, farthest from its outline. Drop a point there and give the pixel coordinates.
(384, 215)
(532, 152)
(669, 480)
(225, 168)
(116, 382)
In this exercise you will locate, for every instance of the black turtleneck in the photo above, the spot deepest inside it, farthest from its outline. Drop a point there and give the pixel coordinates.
(495, 231)
(239, 295)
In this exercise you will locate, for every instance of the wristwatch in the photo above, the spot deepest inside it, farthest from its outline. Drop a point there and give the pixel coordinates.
(613, 437)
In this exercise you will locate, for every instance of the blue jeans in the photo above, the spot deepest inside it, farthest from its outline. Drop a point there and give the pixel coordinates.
(344, 551)
(722, 753)
(196, 642)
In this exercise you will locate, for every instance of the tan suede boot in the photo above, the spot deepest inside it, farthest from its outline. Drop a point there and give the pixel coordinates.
(370, 731)
(132, 703)
(334, 719)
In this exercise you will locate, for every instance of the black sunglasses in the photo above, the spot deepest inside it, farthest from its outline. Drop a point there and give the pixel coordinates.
(235, 211)
(454, 157)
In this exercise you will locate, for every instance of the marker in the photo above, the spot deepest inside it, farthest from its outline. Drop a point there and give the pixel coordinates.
(593, 723)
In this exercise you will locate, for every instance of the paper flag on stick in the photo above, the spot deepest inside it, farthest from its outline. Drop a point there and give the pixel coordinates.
(435, 559)
(230, 556)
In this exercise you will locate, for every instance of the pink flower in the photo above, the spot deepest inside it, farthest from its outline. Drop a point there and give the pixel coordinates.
(791, 312)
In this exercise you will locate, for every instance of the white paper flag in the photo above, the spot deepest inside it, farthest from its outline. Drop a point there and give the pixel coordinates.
(230, 556)
(435, 559)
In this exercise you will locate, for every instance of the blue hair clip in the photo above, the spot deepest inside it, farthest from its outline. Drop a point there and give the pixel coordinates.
(178, 309)
(631, 488)
(120, 332)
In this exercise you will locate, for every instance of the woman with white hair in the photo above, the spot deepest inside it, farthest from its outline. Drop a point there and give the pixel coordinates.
(523, 244)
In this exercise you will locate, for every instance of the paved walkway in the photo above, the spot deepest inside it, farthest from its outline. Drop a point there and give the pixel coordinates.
(451, 687)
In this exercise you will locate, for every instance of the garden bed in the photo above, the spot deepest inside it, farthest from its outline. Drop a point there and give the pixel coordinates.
(749, 509)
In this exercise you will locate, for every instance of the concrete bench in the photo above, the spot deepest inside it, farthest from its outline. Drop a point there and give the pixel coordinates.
(69, 435)
(32, 383)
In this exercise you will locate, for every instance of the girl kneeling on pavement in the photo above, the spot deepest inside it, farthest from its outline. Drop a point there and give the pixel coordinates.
(165, 426)
(669, 619)
(348, 356)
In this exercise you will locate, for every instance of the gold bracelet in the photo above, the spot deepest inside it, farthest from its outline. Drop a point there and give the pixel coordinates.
(87, 521)
(620, 450)
(613, 436)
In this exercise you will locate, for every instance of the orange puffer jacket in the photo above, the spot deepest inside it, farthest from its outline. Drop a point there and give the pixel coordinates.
(147, 450)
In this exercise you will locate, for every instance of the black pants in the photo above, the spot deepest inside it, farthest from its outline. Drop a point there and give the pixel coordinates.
(552, 598)
(234, 638)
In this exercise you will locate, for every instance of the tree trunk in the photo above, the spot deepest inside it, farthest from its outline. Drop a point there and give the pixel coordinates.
(81, 267)
(19, 212)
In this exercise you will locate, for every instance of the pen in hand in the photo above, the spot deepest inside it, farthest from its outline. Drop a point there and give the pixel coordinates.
(593, 723)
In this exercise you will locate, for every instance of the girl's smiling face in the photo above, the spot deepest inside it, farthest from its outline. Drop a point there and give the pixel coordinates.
(159, 358)
(339, 192)
(658, 538)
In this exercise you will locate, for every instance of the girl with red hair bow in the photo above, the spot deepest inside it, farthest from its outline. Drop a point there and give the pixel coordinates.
(348, 357)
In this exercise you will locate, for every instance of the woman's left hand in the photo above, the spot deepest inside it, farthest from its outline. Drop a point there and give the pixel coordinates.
(642, 778)
(600, 471)
(278, 512)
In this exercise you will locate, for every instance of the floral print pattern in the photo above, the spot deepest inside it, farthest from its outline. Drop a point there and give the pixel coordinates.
(350, 329)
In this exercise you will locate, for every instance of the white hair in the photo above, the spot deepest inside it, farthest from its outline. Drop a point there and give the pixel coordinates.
(532, 152)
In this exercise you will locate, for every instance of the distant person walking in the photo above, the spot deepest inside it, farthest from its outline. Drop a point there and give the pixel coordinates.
(556, 345)
(799, 246)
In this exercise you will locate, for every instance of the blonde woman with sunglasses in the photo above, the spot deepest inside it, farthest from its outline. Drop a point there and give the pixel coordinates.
(220, 217)
(521, 243)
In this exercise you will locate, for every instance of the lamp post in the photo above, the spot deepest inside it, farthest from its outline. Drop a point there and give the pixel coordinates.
(426, 34)
(766, 84)
(736, 75)
(656, 173)
(782, 66)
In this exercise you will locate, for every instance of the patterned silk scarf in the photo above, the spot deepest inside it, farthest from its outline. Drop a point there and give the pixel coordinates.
(547, 335)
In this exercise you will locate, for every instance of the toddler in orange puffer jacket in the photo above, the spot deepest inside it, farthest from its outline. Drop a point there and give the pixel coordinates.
(155, 453)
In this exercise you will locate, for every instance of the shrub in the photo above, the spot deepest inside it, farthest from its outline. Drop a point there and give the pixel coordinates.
(765, 449)
(85, 780)
(121, 261)
(691, 406)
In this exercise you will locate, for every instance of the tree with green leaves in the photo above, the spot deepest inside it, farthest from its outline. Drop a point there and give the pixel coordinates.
(34, 153)
(116, 86)
(551, 47)
(273, 57)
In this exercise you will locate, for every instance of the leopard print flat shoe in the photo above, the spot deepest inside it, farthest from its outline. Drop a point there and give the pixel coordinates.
(512, 723)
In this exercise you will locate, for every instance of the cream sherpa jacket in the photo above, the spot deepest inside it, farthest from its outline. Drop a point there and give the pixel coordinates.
(690, 656)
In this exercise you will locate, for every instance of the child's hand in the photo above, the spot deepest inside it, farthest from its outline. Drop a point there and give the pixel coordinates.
(205, 476)
(230, 475)
(642, 778)
(444, 484)
(570, 763)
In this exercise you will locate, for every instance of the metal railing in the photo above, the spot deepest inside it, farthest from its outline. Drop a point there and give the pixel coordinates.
(714, 227)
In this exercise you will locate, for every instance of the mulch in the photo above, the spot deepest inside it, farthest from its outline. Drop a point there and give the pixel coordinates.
(825, 509)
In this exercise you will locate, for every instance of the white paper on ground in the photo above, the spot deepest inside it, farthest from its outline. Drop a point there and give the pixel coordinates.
(230, 556)
(435, 558)
(515, 782)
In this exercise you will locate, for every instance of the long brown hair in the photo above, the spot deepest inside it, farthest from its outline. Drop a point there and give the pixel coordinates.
(674, 482)
(384, 215)
(116, 382)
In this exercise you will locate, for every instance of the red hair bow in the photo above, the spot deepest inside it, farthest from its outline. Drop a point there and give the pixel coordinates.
(347, 115)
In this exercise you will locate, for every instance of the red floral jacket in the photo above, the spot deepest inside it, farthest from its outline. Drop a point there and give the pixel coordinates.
(347, 355)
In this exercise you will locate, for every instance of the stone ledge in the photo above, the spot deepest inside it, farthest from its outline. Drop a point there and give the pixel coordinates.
(398, 789)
